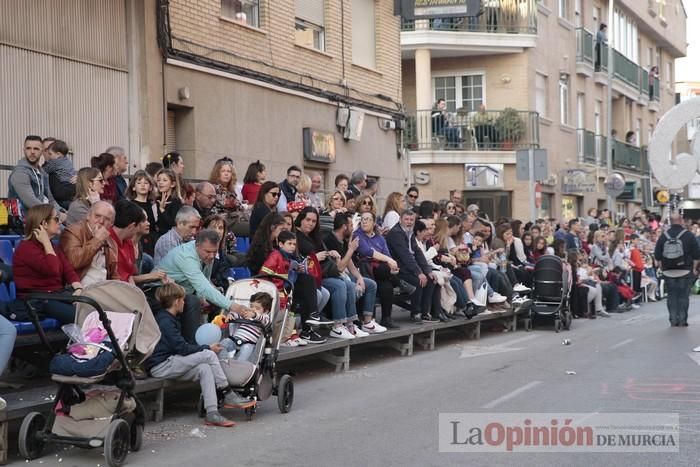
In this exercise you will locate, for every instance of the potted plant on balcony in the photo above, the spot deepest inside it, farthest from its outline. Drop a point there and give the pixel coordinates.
(510, 127)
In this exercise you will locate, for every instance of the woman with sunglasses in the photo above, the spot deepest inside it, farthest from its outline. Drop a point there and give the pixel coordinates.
(336, 204)
(266, 203)
(88, 190)
(364, 203)
(223, 177)
(39, 267)
(105, 163)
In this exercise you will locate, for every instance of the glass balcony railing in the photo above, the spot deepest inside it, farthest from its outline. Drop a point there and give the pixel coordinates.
(490, 130)
(586, 145)
(500, 16)
(584, 46)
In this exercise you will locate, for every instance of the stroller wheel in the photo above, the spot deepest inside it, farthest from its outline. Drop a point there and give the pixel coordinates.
(567, 320)
(249, 412)
(30, 445)
(117, 442)
(285, 393)
(136, 437)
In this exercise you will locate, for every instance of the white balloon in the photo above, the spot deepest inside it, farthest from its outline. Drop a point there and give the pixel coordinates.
(678, 172)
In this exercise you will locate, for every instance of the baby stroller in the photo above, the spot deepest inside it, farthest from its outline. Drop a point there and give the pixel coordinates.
(111, 419)
(257, 376)
(550, 294)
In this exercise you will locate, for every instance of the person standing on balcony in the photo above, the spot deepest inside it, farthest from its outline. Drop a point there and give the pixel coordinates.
(441, 124)
(653, 76)
(492, 7)
(601, 37)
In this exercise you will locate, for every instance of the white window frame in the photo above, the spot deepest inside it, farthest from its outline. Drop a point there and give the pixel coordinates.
(625, 36)
(564, 104)
(563, 8)
(457, 75)
(239, 6)
(319, 32)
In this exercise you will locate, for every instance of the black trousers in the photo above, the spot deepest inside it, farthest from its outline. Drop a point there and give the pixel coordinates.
(422, 297)
(304, 300)
(499, 283)
(386, 281)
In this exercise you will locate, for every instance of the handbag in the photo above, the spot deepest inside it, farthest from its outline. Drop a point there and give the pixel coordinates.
(329, 268)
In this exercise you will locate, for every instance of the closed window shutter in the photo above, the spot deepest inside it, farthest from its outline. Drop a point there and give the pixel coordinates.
(363, 33)
(170, 140)
(310, 10)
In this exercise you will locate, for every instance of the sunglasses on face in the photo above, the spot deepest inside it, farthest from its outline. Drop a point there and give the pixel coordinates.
(101, 180)
(413, 196)
(367, 203)
(275, 194)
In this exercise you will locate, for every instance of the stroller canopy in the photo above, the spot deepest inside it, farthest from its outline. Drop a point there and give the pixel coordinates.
(122, 297)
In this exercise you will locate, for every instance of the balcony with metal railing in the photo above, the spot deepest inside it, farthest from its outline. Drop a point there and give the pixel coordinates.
(586, 145)
(629, 78)
(629, 157)
(502, 26)
(495, 131)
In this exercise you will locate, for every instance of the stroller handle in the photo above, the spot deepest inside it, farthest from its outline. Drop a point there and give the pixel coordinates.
(65, 298)
(288, 286)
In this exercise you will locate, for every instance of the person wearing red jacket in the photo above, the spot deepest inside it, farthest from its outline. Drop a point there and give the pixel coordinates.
(38, 266)
(637, 263)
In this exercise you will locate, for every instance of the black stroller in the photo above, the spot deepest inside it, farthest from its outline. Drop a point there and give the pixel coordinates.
(550, 293)
(130, 330)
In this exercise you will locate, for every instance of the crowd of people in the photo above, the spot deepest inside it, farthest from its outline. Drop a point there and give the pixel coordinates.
(343, 254)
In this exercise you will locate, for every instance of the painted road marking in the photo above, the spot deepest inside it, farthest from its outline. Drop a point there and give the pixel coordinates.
(620, 344)
(477, 350)
(511, 394)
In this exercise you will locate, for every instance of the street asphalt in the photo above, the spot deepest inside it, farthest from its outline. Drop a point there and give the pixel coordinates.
(385, 410)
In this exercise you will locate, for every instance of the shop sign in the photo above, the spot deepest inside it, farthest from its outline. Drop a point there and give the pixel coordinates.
(578, 181)
(445, 8)
(319, 146)
(629, 191)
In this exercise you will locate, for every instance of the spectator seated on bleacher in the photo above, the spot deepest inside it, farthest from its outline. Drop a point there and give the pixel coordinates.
(88, 190)
(187, 221)
(228, 257)
(88, 247)
(40, 267)
(190, 265)
(174, 357)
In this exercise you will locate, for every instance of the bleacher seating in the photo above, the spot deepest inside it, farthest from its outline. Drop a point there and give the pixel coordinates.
(242, 244)
(6, 251)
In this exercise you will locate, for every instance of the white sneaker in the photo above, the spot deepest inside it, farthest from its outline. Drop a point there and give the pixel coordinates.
(603, 313)
(373, 327)
(497, 298)
(635, 306)
(518, 300)
(355, 331)
(300, 342)
(341, 332)
(289, 343)
(520, 288)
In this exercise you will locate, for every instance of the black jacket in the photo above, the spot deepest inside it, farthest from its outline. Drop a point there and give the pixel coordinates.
(171, 341)
(289, 191)
(690, 246)
(398, 246)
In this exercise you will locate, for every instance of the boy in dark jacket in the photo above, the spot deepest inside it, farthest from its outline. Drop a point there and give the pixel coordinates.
(174, 357)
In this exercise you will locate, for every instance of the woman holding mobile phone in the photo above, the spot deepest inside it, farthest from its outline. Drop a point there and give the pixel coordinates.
(39, 267)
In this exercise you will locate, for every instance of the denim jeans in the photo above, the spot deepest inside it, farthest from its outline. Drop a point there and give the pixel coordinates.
(322, 297)
(369, 298)
(479, 278)
(60, 311)
(458, 286)
(8, 333)
(343, 299)
(678, 297)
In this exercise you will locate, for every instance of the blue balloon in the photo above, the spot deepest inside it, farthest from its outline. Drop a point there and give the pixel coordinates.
(208, 334)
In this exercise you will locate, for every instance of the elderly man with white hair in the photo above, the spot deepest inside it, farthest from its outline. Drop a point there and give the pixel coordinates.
(187, 221)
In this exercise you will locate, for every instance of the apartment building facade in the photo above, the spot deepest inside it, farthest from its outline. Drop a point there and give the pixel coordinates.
(534, 66)
(314, 83)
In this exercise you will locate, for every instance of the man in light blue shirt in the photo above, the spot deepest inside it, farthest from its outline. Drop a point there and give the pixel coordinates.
(189, 265)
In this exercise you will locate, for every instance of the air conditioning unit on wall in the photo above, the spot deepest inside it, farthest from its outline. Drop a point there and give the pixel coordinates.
(351, 122)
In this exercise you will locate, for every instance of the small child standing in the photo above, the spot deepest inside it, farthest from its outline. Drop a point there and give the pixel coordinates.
(175, 358)
(246, 335)
(62, 174)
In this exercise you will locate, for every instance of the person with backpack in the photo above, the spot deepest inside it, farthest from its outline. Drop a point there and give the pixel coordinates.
(679, 255)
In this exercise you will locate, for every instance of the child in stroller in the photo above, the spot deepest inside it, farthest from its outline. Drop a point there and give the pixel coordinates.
(174, 357)
(245, 335)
